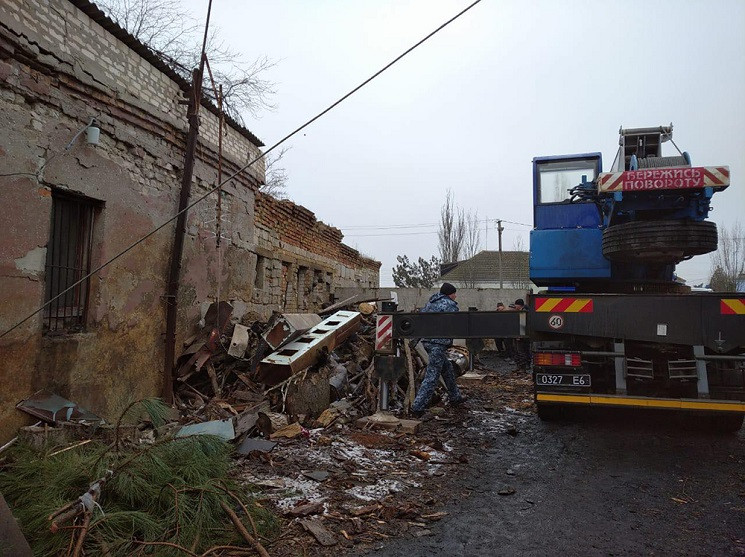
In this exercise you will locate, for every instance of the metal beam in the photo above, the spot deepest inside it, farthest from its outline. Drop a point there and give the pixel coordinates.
(464, 324)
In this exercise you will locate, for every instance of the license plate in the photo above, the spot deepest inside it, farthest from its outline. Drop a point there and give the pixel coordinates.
(558, 380)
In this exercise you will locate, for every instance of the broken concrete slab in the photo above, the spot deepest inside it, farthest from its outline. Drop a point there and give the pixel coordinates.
(327, 417)
(285, 327)
(317, 475)
(308, 348)
(471, 377)
(277, 420)
(251, 444)
(403, 426)
(290, 432)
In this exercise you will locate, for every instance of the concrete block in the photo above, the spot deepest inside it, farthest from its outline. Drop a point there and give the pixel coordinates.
(402, 425)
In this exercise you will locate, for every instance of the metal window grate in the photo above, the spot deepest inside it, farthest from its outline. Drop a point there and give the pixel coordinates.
(68, 261)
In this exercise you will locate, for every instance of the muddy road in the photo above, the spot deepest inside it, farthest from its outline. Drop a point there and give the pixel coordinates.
(610, 483)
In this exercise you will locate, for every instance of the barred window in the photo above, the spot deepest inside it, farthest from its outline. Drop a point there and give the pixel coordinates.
(68, 261)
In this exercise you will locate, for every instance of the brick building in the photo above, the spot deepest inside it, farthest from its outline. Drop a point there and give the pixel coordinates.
(69, 205)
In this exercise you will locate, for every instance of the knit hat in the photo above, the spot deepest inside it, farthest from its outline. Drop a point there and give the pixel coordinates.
(447, 289)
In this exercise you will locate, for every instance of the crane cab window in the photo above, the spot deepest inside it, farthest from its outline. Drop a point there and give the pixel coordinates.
(556, 178)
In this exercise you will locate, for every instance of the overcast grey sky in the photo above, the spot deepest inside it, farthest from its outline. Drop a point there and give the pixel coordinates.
(470, 108)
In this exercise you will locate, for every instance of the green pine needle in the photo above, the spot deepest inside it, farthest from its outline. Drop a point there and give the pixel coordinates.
(170, 491)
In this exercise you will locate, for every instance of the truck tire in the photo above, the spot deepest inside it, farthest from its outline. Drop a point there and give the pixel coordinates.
(662, 242)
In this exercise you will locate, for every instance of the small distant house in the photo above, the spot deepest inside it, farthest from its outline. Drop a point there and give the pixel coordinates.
(487, 269)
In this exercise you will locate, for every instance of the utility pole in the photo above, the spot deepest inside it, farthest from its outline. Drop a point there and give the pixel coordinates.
(486, 234)
(174, 272)
(499, 233)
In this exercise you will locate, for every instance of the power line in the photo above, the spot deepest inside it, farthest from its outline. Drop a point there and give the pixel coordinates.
(420, 225)
(412, 233)
(244, 167)
(389, 234)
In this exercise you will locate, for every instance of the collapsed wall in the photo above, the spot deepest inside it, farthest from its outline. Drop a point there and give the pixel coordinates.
(70, 205)
(302, 260)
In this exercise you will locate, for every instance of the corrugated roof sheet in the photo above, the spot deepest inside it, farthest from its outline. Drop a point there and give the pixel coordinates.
(484, 267)
(97, 15)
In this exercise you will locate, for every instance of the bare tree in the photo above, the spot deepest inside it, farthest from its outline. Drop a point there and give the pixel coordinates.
(472, 242)
(518, 244)
(276, 176)
(728, 262)
(452, 230)
(471, 246)
(175, 36)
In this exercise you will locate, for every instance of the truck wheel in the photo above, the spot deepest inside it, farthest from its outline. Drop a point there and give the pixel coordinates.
(660, 242)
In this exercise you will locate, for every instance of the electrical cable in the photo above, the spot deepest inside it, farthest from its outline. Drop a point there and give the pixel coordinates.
(413, 233)
(244, 167)
(421, 225)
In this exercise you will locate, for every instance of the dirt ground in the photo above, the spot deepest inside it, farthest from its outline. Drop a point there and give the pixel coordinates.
(492, 479)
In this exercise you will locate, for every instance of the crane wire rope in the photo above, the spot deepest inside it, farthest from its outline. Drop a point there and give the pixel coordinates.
(244, 167)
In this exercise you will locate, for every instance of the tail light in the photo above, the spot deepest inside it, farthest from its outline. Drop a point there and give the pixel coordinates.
(568, 359)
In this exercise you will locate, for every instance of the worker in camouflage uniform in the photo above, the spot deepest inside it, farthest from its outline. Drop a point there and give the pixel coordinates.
(443, 301)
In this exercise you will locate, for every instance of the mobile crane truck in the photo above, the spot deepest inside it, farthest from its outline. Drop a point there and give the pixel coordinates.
(612, 326)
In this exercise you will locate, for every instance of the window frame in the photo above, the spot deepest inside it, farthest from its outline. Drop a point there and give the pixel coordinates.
(72, 216)
(559, 165)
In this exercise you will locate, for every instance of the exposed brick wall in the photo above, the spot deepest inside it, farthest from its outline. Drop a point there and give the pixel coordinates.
(304, 259)
(58, 69)
(65, 37)
(298, 226)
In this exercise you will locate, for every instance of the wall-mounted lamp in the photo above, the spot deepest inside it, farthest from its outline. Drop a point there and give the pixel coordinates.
(93, 133)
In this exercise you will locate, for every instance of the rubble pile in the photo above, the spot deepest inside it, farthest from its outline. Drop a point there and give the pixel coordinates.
(293, 364)
(280, 409)
(339, 487)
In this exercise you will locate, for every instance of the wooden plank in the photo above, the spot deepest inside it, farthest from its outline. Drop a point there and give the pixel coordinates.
(319, 531)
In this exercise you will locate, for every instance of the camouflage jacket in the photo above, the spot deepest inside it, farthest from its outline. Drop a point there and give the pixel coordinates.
(439, 303)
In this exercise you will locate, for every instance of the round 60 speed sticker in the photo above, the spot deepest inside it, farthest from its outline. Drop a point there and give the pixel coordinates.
(556, 321)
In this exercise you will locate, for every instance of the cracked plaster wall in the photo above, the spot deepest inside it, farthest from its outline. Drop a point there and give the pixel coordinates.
(59, 69)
